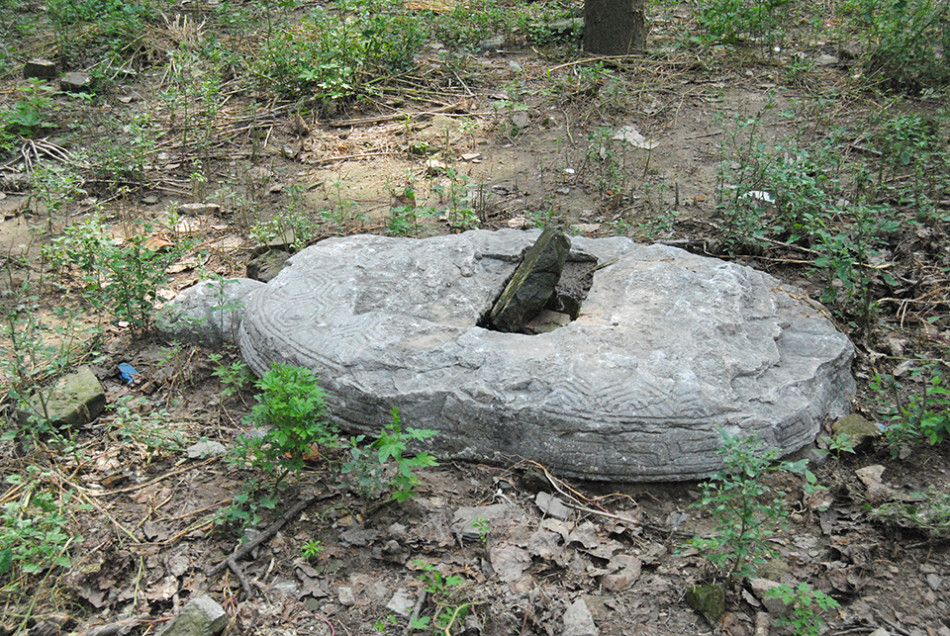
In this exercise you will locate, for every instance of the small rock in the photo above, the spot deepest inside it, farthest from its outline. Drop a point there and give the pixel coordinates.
(40, 68)
(402, 602)
(934, 581)
(628, 571)
(346, 596)
(434, 167)
(826, 60)
(200, 617)
(775, 606)
(547, 321)
(205, 449)
(880, 631)
(150, 199)
(198, 209)
(75, 399)
(517, 223)
(859, 430)
(75, 83)
(870, 476)
(552, 506)
(578, 620)
(586, 228)
(471, 156)
(520, 119)
(709, 600)
(492, 44)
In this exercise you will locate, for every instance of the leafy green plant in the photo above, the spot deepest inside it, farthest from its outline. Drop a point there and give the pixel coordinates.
(382, 466)
(735, 21)
(55, 186)
(745, 510)
(121, 278)
(34, 528)
(469, 23)
(444, 591)
(927, 511)
(245, 508)
(903, 41)
(459, 211)
(234, 376)
(923, 414)
(148, 430)
(483, 527)
(84, 25)
(338, 55)
(311, 549)
(290, 409)
(292, 226)
(28, 116)
(806, 605)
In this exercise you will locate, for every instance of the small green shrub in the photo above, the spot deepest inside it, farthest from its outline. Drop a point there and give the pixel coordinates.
(469, 23)
(745, 510)
(34, 348)
(905, 42)
(34, 529)
(450, 609)
(121, 278)
(806, 605)
(84, 26)
(339, 55)
(382, 466)
(290, 410)
(923, 414)
(928, 512)
(292, 226)
(29, 116)
(735, 21)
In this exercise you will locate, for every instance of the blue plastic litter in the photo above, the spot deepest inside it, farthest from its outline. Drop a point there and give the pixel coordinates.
(127, 372)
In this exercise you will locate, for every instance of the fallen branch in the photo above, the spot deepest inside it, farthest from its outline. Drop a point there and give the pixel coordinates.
(271, 530)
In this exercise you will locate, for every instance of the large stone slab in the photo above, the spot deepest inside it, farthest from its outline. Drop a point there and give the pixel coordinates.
(668, 348)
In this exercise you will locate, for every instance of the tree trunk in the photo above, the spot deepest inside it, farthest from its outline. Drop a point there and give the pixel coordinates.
(614, 27)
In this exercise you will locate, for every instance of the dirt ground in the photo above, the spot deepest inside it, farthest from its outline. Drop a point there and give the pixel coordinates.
(516, 135)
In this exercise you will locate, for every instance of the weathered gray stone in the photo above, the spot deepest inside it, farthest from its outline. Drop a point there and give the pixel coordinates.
(75, 399)
(40, 68)
(267, 265)
(209, 313)
(201, 616)
(578, 620)
(669, 348)
(199, 209)
(533, 283)
(75, 83)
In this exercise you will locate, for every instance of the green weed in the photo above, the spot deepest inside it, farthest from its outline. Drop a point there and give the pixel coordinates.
(923, 415)
(806, 605)
(928, 511)
(382, 466)
(290, 410)
(903, 42)
(34, 528)
(444, 592)
(745, 510)
(145, 429)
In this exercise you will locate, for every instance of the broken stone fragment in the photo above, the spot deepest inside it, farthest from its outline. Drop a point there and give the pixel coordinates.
(40, 68)
(532, 284)
(267, 265)
(75, 83)
(578, 621)
(75, 399)
(199, 209)
(202, 616)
